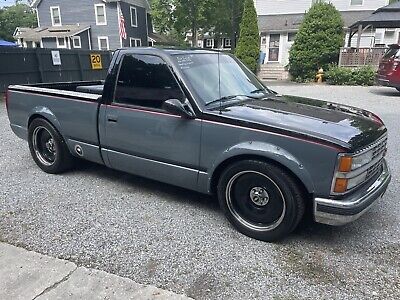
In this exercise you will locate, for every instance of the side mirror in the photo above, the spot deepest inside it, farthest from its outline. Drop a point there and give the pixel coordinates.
(176, 107)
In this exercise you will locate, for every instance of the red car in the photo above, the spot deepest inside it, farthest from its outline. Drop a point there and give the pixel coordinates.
(389, 68)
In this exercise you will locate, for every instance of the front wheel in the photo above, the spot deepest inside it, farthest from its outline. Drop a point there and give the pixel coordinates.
(260, 199)
(48, 148)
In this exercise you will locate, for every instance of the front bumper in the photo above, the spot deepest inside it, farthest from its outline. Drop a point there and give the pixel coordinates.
(340, 212)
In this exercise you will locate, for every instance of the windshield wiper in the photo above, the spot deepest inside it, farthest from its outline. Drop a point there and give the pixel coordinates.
(229, 98)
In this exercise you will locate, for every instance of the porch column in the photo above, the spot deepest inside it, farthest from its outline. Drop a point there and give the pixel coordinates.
(360, 30)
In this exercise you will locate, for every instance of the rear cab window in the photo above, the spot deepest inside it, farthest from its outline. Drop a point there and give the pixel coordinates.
(392, 53)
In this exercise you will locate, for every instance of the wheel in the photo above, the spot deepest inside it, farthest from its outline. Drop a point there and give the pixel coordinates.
(48, 148)
(260, 199)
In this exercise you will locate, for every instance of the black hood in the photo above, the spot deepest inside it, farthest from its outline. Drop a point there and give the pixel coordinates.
(343, 125)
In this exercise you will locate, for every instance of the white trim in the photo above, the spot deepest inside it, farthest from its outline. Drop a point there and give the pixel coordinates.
(103, 38)
(97, 17)
(135, 42)
(74, 39)
(37, 17)
(69, 42)
(58, 44)
(89, 39)
(52, 16)
(136, 17)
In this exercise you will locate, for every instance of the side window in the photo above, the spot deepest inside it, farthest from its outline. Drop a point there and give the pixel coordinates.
(146, 81)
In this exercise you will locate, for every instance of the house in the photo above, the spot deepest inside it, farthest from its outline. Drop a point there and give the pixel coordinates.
(279, 21)
(88, 24)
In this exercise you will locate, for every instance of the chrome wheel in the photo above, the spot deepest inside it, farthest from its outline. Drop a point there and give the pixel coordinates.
(44, 146)
(255, 200)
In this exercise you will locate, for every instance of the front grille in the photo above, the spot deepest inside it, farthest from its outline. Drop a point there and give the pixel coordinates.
(378, 151)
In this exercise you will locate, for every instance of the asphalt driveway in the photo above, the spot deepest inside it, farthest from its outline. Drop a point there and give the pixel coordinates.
(179, 240)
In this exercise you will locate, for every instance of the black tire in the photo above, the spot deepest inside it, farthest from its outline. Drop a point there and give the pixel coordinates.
(48, 148)
(260, 199)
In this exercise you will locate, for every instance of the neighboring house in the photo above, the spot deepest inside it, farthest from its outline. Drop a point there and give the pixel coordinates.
(87, 24)
(279, 21)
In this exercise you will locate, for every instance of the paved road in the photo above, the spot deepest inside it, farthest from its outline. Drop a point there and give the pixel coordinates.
(179, 240)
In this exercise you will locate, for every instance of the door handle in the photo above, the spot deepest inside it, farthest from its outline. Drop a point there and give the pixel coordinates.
(112, 118)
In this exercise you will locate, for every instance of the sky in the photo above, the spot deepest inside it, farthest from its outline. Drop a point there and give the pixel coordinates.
(7, 2)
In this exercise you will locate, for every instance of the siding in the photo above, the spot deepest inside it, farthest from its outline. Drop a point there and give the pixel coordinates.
(139, 32)
(274, 7)
(82, 11)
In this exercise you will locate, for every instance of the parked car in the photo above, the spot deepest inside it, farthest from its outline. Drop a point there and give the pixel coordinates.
(201, 120)
(389, 68)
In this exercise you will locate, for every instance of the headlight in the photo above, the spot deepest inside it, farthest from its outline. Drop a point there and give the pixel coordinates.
(361, 160)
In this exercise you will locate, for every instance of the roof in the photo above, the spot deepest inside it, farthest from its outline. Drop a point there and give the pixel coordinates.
(384, 17)
(36, 34)
(292, 22)
(142, 3)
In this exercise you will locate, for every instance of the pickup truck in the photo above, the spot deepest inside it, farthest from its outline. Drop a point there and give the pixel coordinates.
(202, 121)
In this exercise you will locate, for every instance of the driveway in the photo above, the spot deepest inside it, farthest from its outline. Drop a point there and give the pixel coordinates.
(179, 240)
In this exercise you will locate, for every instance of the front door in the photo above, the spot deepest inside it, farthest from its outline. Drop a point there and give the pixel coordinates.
(273, 47)
(140, 137)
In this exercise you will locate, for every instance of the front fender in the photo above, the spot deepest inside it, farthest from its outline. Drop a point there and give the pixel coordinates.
(268, 151)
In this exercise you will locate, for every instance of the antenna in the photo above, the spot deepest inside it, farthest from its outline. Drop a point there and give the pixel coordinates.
(219, 83)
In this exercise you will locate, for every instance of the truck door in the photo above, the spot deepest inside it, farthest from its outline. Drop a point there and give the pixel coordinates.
(139, 137)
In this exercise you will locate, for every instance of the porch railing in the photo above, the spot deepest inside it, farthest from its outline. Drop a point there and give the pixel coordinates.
(357, 57)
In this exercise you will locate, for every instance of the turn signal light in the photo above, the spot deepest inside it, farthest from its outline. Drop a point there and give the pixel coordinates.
(340, 185)
(345, 164)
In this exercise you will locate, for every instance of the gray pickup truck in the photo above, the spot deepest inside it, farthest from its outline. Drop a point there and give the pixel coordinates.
(202, 121)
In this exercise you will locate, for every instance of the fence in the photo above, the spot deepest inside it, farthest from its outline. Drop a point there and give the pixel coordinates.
(353, 57)
(24, 66)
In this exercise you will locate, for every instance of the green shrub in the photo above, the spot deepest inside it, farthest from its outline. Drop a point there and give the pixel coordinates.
(318, 42)
(248, 47)
(346, 76)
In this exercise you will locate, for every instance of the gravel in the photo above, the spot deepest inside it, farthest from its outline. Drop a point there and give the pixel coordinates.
(179, 240)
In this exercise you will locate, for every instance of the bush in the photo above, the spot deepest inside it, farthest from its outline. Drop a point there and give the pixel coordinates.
(318, 42)
(346, 76)
(248, 47)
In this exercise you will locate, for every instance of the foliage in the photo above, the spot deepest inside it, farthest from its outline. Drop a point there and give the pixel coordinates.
(248, 47)
(225, 17)
(19, 15)
(393, 1)
(161, 15)
(345, 76)
(318, 42)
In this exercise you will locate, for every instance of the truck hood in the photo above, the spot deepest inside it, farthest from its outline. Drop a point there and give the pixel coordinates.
(343, 125)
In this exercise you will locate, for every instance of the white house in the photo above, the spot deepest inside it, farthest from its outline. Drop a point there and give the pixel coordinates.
(279, 20)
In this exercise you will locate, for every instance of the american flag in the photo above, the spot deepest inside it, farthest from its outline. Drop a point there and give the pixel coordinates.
(122, 30)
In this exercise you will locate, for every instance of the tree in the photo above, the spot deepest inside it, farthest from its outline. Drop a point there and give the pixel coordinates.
(190, 15)
(318, 42)
(248, 47)
(19, 15)
(161, 14)
(393, 1)
(225, 17)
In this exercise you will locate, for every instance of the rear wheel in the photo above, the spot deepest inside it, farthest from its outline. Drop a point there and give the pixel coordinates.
(260, 199)
(48, 148)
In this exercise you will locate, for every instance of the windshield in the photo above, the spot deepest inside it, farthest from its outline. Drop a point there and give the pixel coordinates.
(211, 84)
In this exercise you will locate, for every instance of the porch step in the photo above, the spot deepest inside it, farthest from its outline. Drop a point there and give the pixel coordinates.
(273, 72)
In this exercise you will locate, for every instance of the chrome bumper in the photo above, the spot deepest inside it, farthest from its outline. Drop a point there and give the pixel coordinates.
(340, 212)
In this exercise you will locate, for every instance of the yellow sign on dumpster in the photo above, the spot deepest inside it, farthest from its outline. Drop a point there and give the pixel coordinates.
(95, 60)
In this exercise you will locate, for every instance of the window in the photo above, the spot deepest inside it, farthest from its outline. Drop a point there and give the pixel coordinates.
(61, 43)
(55, 15)
(76, 42)
(291, 37)
(135, 42)
(133, 17)
(103, 43)
(146, 81)
(209, 43)
(101, 17)
(356, 2)
(227, 43)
